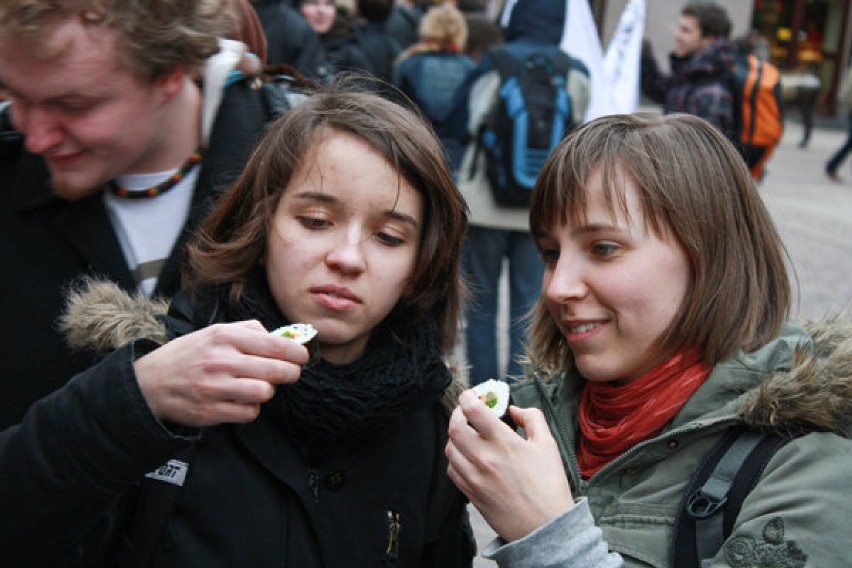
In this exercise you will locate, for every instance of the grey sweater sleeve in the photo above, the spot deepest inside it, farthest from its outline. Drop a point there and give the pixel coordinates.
(569, 540)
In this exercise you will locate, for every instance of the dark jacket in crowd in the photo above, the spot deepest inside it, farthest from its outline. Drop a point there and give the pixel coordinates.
(290, 39)
(698, 84)
(341, 51)
(403, 24)
(430, 78)
(257, 494)
(46, 243)
(380, 48)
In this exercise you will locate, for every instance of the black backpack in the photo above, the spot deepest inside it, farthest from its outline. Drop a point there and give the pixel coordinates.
(531, 114)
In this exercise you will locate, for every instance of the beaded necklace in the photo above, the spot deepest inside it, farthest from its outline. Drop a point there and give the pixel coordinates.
(161, 187)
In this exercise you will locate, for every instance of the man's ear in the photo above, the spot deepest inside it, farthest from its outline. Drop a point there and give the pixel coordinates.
(170, 83)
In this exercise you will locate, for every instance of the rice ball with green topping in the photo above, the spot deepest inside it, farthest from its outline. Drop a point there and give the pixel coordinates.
(495, 395)
(303, 333)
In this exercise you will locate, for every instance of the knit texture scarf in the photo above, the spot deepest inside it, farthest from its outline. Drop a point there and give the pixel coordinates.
(613, 418)
(335, 405)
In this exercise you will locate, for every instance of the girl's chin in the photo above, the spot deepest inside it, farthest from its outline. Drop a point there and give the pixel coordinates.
(596, 373)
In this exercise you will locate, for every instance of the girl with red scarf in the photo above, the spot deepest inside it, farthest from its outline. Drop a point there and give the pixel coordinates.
(661, 327)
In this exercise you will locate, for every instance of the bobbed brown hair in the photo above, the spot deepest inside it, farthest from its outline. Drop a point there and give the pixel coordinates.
(232, 241)
(694, 185)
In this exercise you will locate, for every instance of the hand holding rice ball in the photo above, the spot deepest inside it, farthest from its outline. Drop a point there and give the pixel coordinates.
(495, 395)
(303, 334)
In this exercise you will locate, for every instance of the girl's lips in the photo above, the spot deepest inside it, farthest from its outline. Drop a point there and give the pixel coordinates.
(580, 331)
(335, 298)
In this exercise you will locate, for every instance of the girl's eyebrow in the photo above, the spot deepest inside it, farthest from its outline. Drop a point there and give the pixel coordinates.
(593, 228)
(326, 198)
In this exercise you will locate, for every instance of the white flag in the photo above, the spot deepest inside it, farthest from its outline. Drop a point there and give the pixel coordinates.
(580, 39)
(507, 13)
(622, 62)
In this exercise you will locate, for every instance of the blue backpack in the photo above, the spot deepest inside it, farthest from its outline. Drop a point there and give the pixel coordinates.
(531, 115)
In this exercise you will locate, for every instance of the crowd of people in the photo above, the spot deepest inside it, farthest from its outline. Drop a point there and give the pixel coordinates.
(178, 180)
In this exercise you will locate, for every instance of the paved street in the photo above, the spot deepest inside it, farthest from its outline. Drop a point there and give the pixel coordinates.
(814, 216)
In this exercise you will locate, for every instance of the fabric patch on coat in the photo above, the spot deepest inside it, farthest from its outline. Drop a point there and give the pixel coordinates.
(774, 551)
(174, 472)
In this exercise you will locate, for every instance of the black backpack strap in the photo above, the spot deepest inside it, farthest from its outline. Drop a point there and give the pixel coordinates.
(716, 492)
(704, 504)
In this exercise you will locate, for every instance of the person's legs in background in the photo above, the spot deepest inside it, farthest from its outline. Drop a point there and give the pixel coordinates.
(834, 162)
(807, 101)
(484, 250)
(525, 273)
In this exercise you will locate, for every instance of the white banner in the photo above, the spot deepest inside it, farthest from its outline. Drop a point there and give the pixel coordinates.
(580, 39)
(622, 62)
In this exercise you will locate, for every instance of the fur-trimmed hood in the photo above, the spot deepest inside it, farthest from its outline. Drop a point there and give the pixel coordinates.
(100, 316)
(815, 392)
(801, 380)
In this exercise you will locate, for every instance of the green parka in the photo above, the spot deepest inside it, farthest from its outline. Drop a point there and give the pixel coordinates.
(799, 512)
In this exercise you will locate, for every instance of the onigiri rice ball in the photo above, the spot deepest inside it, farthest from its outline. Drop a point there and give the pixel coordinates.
(495, 395)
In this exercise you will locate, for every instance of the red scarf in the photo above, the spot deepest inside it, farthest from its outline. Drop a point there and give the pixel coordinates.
(613, 418)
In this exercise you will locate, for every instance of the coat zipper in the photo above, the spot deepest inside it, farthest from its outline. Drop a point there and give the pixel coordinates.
(313, 484)
(394, 527)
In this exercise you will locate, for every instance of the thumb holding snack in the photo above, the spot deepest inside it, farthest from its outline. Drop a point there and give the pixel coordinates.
(517, 484)
(221, 373)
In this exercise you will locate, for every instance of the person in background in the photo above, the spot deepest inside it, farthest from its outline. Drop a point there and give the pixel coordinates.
(344, 218)
(404, 22)
(662, 329)
(699, 65)
(483, 32)
(430, 71)
(290, 40)
(120, 131)
(844, 99)
(337, 33)
(499, 234)
(377, 44)
(249, 29)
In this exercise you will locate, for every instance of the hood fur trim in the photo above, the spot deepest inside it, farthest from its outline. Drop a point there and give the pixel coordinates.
(101, 316)
(816, 393)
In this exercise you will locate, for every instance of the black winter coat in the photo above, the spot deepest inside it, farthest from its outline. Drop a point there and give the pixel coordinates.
(46, 243)
(248, 498)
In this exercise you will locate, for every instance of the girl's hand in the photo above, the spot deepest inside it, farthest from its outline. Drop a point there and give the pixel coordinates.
(517, 484)
(222, 373)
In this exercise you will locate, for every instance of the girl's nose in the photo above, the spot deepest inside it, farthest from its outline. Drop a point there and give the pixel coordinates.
(347, 254)
(565, 281)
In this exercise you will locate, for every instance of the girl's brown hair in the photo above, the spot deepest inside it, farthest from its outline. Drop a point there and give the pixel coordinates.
(233, 240)
(694, 185)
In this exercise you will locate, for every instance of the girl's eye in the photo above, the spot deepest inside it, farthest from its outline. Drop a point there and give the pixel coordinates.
(604, 249)
(313, 222)
(389, 239)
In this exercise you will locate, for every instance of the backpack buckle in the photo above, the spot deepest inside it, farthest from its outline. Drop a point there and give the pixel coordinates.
(703, 506)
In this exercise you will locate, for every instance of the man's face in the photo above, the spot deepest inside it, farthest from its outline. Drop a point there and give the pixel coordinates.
(687, 36)
(79, 105)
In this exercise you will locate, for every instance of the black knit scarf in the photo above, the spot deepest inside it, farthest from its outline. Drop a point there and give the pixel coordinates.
(334, 405)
